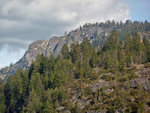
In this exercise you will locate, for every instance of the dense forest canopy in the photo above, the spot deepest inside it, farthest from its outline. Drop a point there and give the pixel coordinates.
(128, 26)
(123, 28)
(46, 85)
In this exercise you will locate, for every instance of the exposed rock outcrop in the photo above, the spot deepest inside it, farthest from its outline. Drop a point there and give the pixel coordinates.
(53, 45)
(96, 34)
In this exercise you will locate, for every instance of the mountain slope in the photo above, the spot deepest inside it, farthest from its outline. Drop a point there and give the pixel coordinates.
(97, 34)
(82, 80)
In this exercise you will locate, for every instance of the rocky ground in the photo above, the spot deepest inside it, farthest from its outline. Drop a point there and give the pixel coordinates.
(105, 90)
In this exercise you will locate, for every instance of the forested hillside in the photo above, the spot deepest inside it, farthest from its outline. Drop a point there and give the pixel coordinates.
(97, 34)
(112, 78)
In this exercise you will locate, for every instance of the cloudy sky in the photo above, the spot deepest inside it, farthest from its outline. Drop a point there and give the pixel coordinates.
(25, 21)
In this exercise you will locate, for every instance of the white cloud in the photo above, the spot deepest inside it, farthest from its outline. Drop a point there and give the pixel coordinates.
(8, 57)
(23, 21)
(56, 11)
(16, 44)
(1, 67)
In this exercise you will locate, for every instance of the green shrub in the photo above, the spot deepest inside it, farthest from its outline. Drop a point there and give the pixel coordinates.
(76, 109)
(101, 70)
(132, 76)
(123, 79)
(107, 77)
(147, 65)
(87, 91)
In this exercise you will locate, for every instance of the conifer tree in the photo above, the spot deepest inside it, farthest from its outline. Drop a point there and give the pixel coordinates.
(147, 49)
(2, 98)
(36, 83)
(65, 51)
(34, 104)
(48, 108)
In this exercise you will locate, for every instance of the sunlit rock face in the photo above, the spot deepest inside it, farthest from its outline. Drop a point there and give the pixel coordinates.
(96, 33)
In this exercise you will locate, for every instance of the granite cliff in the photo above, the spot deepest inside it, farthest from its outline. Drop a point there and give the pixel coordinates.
(97, 34)
(54, 46)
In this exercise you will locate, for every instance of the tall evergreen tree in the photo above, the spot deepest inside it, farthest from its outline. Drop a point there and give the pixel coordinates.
(34, 104)
(147, 49)
(2, 98)
(65, 51)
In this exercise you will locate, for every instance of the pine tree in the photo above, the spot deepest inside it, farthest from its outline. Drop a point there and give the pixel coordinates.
(109, 57)
(147, 49)
(36, 83)
(128, 49)
(48, 108)
(34, 104)
(2, 98)
(137, 48)
(75, 53)
(65, 51)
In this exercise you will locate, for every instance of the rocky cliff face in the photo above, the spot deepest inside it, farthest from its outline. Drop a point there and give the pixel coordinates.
(53, 45)
(96, 34)
(34, 49)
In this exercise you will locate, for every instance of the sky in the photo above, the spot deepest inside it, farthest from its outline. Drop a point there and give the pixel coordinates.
(25, 21)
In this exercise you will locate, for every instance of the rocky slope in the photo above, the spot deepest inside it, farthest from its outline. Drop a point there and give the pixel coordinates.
(97, 34)
(54, 46)
(92, 96)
